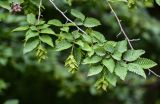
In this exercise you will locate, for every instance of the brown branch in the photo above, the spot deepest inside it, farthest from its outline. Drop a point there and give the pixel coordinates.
(119, 23)
(122, 31)
(39, 10)
(62, 13)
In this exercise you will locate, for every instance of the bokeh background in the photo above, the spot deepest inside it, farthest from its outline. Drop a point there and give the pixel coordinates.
(25, 81)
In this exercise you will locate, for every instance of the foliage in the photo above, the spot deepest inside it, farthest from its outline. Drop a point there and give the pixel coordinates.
(97, 53)
(103, 56)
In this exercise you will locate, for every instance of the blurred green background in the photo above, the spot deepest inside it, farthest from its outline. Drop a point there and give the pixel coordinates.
(25, 81)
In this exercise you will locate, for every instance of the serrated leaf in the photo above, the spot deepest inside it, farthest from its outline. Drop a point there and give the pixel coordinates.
(34, 28)
(41, 22)
(135, 68)
(55, 22)
(46, 39)
(145, 63)
(121, 71)
(92, 60)
(100, 37)
(87, 38)
(21, 28)
(117, 55)
(121, 46)
(67, 36)
(31, 18)
(99, 50)
(30, 45)
(77, 14)
(80, 43)
(94, 70)
(62, 45)
(86, 47)
(109, 63)
(158, 2)
(65, 29)
(42, 26)
(90, 53)
(76, 34)
(47, 31)
(91, 22)
(132, 55)
(30, 34)
(109, 46)
(111, 78)
(78, 55)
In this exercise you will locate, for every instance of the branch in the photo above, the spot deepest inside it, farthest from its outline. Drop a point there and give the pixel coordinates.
(39, 10)
(119, 23)
(122, 31)
(154, 73)
(62, 13)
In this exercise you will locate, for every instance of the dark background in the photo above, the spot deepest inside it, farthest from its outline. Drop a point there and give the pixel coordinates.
(29, 82)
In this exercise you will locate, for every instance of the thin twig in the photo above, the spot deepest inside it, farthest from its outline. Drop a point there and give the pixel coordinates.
(52, 2)
(119, 23)
(154, 73)
(133, 40)
(129, 41)
(39, 11)
(119, 34)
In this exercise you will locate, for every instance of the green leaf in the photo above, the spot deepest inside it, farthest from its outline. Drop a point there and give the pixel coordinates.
(99, 50)
(87, 38)
(34, 28)
(67, 36)
(80, 43)
(16, 1)
(41, 22)
(135, 68)
(77, 14)
(117, 55)
(94, 70)
(86, 47)
(100, 37)
(90, 53)
(47, 31)
(109, 63)
(5, 4)
(121, 46)
(65, 29)
(118, 0)
(112, 79)
(30, 34)
(158, 2)
(46, 39)
(109, 46)
(91, 22)
(145, 63)
(30, 45)
(78, 55)
(42, 26)
(63, 45)
(31, 18)
(21, 28)
(132, 55)
(76, 34)
(121, 71)
(12, 101)
(92, 60)
(55, 22)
